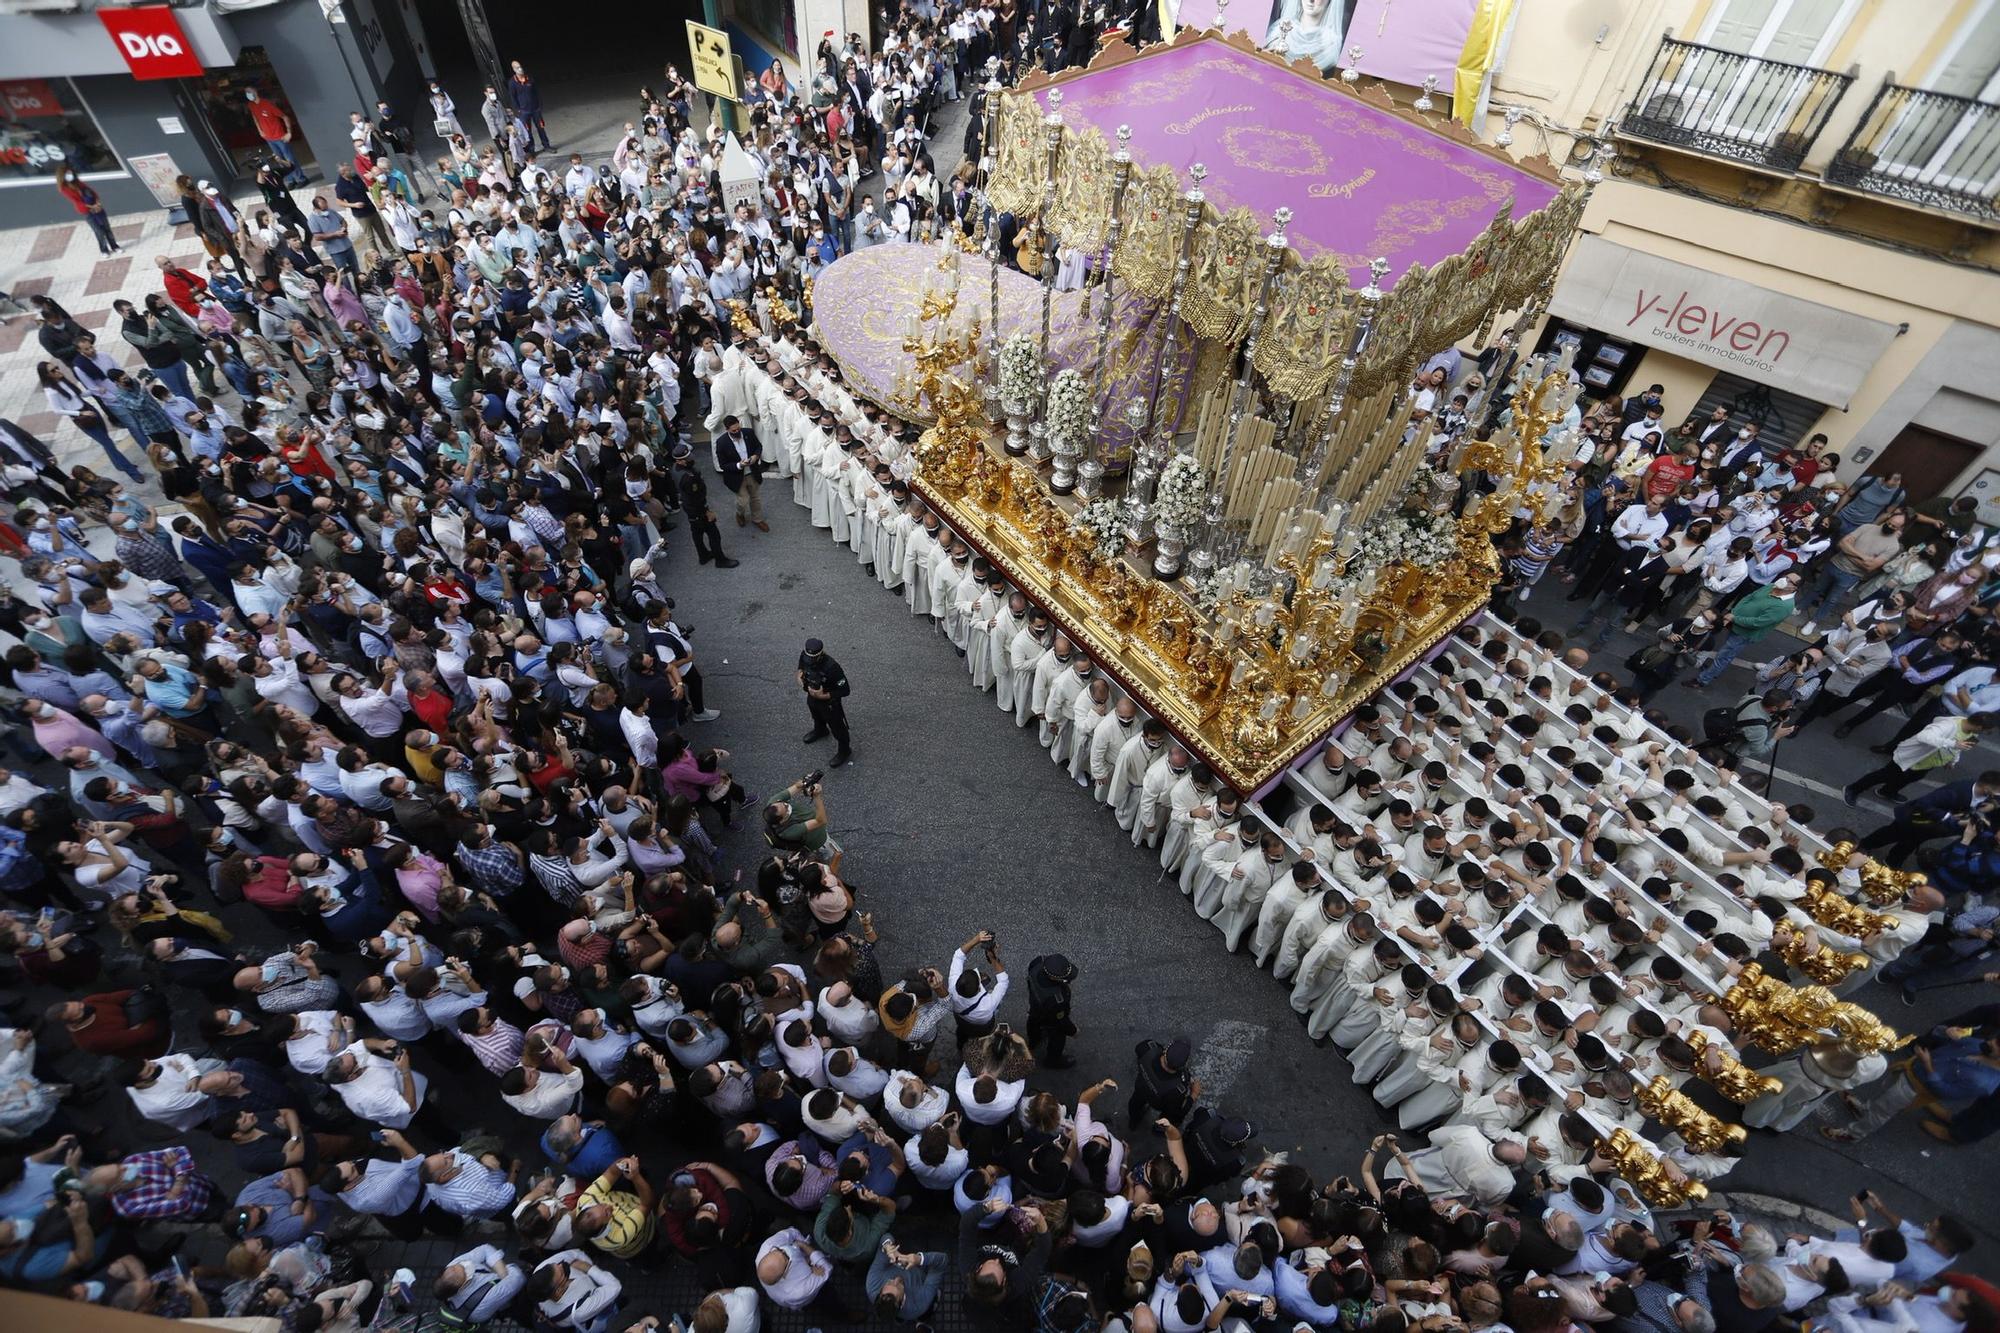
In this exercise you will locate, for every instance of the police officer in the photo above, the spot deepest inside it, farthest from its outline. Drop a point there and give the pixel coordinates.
(825, 684)
(1165, 1086)
(694, 500)
(1049, 980)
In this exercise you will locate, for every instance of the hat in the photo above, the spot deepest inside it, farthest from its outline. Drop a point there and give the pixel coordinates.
(638, 568)
(815, 647)
(1236, 1131)
(683, 451)
(1058, 967)
(1179, 1051)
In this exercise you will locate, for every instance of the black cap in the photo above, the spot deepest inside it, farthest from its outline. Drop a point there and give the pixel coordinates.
(1178, 1053)
(1058, 967)
(1236, 1132)
(814, 647)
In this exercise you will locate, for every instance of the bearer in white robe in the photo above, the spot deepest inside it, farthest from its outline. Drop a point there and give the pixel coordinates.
(1363, 971)
(1086, 715)
(872, 489)
(1311, 827)
(1289, 896)
(1424, 1085)
(952, 563)
(1410, 1019)
(1218, 824)
(1063, 694)
(1107, 743)
(924, 547)
(815, 443)
(1128, 776)
(1192, 798)
(728, 393)
(1007, 621)
(980, 618)
(1250, 879)
(834, 463)
(891, 536)
(1155, 795)
(1049, 667)
(1030, 642)
(1336, 931)
(968, 585)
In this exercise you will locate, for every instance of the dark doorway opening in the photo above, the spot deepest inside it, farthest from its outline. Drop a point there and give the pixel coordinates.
(1930, 463)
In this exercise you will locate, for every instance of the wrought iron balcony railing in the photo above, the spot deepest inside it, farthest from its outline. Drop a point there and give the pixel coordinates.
(1702, 99)
(1933, 150)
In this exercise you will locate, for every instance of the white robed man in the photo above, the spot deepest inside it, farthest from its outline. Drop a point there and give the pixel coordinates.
(1108, 742)
(815, 443)
(728, 393)
(835, 462)
(890, 537)
(1360, 976)
(923, 549)
(1030, 642)
(1049, 668)
(981, 617)
(1086, 715)
(1155, 795)
(946, 574)
(1128, 775)
(1067, 688)
(1008, 621)
(1250, 881)
(878, 506)
(1192, 797)
(1205, 873)
(1290, 895)
(1338, 930)
(1460, 1163)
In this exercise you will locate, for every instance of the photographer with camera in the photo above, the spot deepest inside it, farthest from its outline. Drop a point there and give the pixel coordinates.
(825, 684)
(790, 826)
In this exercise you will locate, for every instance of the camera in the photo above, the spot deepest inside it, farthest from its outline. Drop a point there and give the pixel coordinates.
(809, 784)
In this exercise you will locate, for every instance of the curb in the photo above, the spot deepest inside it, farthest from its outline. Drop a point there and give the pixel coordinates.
(1769, 1205)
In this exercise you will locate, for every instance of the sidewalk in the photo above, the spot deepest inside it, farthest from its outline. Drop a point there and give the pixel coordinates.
(62, 261)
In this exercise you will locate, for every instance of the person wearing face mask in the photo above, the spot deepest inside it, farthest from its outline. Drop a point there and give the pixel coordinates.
(1749, 621)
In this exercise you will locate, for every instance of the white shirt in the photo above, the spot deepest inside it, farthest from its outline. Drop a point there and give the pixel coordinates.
(376, 1093)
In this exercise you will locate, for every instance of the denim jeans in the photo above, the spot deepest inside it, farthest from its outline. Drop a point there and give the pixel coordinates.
(1731, 646)
(1826, 591)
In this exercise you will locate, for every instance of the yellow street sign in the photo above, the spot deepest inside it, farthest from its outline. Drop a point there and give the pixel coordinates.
(714, 65)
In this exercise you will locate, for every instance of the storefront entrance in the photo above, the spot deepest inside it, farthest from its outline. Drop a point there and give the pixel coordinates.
(217, 103)
(1931, 463)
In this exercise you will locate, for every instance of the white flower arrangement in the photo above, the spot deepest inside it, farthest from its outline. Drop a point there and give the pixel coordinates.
(1104, 520)
(1426, 541)
(1069, 411)
(1181, 497)
(1020, 369)
(1205, 590)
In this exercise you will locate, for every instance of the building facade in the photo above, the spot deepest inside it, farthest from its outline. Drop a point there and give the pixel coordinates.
(75, 87)
(1800, 224)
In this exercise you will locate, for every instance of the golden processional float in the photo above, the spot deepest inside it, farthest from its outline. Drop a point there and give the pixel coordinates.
(1203, 464)
(1204, 471)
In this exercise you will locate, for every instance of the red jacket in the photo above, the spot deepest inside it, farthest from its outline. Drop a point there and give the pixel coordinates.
(182, 286)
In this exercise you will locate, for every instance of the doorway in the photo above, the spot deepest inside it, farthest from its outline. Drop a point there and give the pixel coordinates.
(217, 101)
(1930, 462)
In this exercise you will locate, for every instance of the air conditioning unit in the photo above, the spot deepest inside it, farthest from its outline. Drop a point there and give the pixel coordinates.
(1667, 108)
(8, 7)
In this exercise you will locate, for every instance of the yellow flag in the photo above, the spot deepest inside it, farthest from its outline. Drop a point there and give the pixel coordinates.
(1481, 49)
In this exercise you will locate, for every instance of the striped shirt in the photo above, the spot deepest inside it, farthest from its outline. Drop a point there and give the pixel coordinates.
(478, 1190)
(498, 1049)
(630, 1229)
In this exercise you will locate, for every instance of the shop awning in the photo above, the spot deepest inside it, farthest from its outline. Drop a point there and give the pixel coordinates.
(1801, 346)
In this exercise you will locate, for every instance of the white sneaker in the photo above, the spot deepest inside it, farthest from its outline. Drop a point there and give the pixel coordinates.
(1809, 629)
(708, 715)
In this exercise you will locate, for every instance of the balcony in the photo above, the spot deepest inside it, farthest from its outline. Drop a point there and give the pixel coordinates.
(1930, 150)
(1761, 113)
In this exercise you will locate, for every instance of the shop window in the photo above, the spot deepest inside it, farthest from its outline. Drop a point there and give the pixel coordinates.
(44, 124)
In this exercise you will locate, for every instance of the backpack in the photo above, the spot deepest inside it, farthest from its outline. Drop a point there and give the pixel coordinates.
(1724, 726)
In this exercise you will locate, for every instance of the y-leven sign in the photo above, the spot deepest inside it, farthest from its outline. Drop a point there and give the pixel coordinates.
(1799, 346)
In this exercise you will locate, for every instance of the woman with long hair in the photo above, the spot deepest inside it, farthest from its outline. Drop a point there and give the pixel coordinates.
(87, 202)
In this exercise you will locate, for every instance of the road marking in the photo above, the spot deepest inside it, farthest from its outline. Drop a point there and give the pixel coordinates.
(1223, 1056)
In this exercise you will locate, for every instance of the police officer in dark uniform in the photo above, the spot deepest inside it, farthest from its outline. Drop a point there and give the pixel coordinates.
(1165, 1086)
(825, 684)
(694, 500)
(1049, 980)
